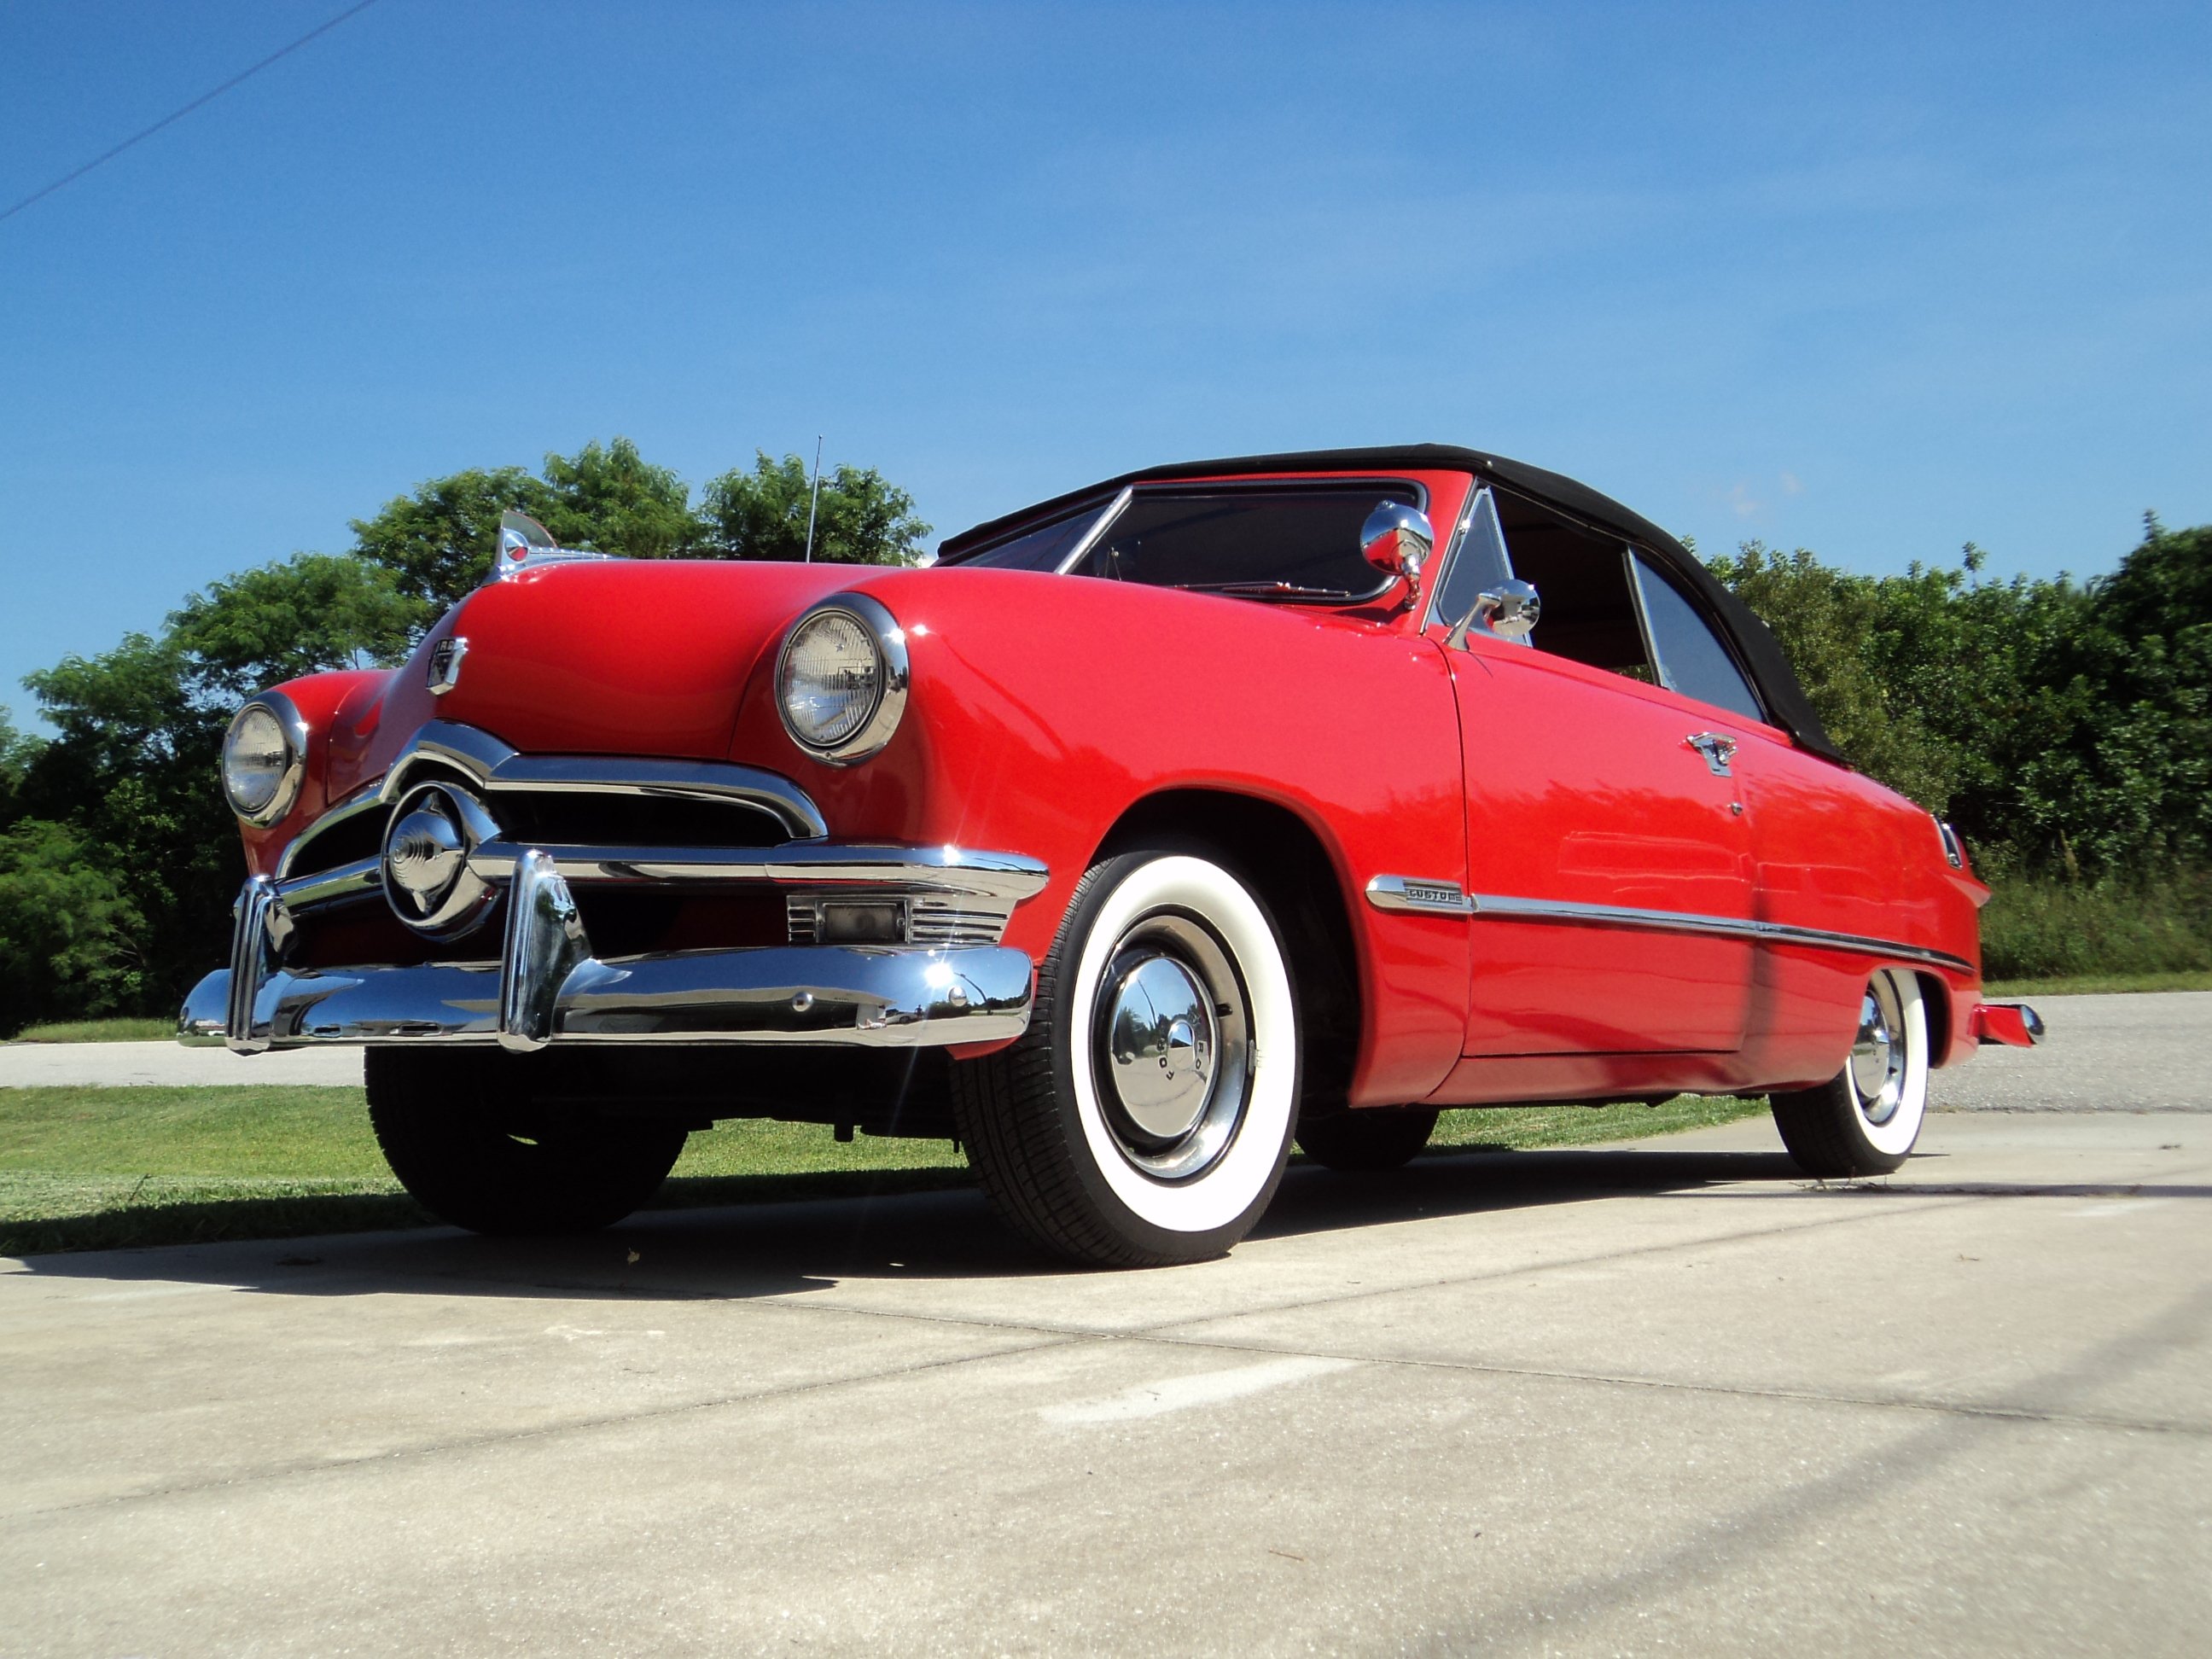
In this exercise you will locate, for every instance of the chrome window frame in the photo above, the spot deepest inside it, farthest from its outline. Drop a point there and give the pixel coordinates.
(1430, 617)
(1031, 527)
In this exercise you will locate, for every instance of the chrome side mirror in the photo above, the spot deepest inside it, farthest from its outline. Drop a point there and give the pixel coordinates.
(1397, 540)
(1511, 610)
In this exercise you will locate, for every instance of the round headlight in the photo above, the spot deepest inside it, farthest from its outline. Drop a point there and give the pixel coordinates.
(261, 761)
(841, 681)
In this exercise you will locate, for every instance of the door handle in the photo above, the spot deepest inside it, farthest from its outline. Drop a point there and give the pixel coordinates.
(1718, 751)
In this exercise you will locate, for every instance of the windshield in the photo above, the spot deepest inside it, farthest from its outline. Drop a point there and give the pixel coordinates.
(1044, 548)
(1286, 541)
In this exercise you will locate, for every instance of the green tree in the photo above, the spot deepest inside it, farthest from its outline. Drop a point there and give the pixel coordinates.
(611, 499)
(439, 542)
(2063, 728)
(316, 610)
(1824, 618)
(2129, 782)
(863, 518)
(18, 750)
(132, 775)
(67, 933)
(133, 772)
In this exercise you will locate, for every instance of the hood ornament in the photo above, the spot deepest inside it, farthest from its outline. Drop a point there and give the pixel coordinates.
(525, 544)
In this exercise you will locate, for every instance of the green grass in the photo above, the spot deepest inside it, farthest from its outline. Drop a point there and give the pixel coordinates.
(102, 1169)
(2035, 928)
(100, 1030)
(1525, 1129)
(2090, 984)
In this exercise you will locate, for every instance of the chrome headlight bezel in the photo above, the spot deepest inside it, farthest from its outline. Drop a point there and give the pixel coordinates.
(292, 732)
(892, 678)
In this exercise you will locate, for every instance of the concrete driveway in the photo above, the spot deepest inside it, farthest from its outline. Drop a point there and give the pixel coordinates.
(1667, 1397)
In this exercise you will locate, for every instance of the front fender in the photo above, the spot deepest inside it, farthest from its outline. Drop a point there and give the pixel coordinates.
(1044, 707)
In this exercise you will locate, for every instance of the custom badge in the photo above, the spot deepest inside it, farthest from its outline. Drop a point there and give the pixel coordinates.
(444, 670)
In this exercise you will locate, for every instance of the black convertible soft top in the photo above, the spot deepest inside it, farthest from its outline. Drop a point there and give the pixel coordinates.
(1760, 652)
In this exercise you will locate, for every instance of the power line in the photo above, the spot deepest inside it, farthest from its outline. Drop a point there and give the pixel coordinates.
(178, 115)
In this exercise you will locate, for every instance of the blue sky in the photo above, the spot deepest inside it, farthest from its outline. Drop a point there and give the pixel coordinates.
(1873, 280)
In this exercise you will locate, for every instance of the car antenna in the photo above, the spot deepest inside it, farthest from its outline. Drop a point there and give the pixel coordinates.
(814, 498)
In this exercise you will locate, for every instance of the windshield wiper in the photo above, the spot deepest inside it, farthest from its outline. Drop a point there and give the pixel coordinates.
(1267, 590)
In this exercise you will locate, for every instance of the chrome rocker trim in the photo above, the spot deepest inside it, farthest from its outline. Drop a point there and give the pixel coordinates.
(548, 987)
(1431, 898)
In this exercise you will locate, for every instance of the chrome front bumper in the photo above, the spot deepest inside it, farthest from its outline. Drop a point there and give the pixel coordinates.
(548, 987)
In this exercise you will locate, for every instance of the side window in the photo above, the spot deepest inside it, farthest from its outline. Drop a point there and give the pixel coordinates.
(1691, 658)
(1479, 561)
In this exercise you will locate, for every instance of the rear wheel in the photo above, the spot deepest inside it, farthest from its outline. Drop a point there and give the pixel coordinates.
(1145, 1118)
(1363, 1142)
(461, 1130)
(1865, 1119)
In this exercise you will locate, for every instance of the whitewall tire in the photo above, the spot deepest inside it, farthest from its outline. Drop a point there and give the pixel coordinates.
(1865, 1120)
(1146, 1117)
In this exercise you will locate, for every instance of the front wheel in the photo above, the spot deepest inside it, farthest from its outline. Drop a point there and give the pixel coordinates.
(1864, 1119)
(1145, 1118)
(462, 1131)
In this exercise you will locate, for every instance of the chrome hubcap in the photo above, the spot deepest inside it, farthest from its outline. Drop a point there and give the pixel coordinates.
(1160, 1042)
(1172, 1047)
(1877, 1064)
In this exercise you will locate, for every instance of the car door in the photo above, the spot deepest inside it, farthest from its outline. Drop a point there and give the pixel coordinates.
(1596, 838)
(1606, 850)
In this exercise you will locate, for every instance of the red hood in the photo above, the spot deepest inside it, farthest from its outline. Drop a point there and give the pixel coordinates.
(644, 656)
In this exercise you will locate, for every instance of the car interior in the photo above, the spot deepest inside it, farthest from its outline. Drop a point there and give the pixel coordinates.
(1605, 604)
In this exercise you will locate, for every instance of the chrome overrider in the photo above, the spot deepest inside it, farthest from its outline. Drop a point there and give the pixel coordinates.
(546, 986)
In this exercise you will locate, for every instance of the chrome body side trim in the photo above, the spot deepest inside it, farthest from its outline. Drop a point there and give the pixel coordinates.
(1418, 893)
(1445, 898)
(1506, 908)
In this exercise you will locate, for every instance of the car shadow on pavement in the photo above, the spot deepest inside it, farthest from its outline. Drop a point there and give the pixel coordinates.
(746, 1251)
(776, 1249)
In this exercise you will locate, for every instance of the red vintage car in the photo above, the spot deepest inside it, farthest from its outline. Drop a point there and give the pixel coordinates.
(1150, 828)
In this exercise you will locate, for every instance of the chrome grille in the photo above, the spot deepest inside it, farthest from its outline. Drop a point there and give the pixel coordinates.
(940, 923)
(946, 923)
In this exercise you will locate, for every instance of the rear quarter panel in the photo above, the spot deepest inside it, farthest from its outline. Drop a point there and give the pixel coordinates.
(1837, 851)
